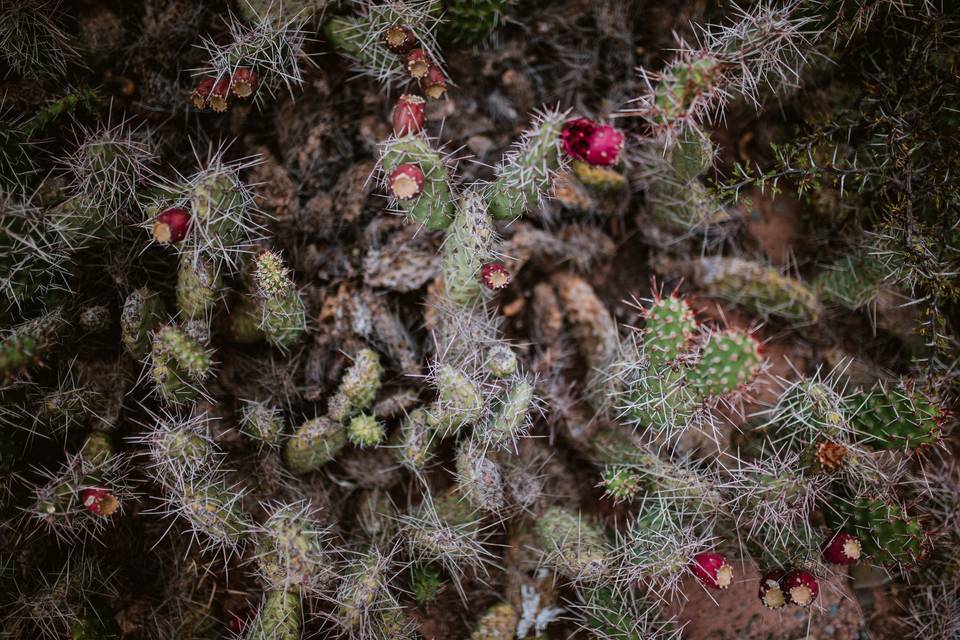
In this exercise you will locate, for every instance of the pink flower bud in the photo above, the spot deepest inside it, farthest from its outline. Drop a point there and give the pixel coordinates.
(406, 182)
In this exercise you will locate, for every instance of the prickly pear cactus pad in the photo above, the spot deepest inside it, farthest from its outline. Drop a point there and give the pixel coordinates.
(479, 319)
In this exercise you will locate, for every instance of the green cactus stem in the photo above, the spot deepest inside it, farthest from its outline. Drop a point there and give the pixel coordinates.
(434, 207)
(315, 443)
(283, 316)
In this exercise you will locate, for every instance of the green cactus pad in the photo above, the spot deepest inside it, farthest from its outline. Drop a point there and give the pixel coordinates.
(728, 360)
(887, 534)
(894, 418)
(280, 617)
(669, 329)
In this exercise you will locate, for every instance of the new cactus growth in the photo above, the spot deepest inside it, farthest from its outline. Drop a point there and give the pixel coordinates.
(179, 365)
(315, 443)
(283, 317)
(365, 431)
(524, 175)
(359, 386)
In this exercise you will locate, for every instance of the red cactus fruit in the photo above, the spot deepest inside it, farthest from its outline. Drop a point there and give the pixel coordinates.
(605, 146)
(399, 39)
(237, 621)
(712, 570)
(435, 83)
(495, 275)
(575, 137)
(201, 93)
(99, 502)
(219, 95)
(771, 593)
(171, 225)
(418, 63)
(408, 115)
(406, 182)
(244, 82)
(800, 587)
(843, 548)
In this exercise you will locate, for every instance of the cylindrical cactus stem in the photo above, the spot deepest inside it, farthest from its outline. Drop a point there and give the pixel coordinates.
(358, 388)
(315, 443)
(431, 204)
(363, 592)
(894, 417)
(365, 430)
(607, 613)
(459, 401)
(179, 365)
(528, 167)
(576, 548)
(243, 323)
(763, 290)
(415, 442)
(886, 532)
(497, 623)
(467, 248)
(212, 509)
(179, 448)
(280, 616)
(142, 313)
(501, 361)
(263, 423)
(292, 549)
(479, 478)
(198, 283)
(283, 316)
(27, 344)
(509, 419)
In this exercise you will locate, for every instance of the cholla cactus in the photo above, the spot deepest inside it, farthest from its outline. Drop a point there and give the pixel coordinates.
(527, 169)
(210, 507)
(479, 478)
(179, 446)
(364, 595)
(107, 170)
(315, 443)
(179, 365)
(283, 317)
(459, 401)
(280, 616)
(509, 419)
(32, 43)
(82, 496)
(572, 545)
(673, 369)
(219, 209)
(894, 417)
(887, 534)
(292, 549)
(261, 56)
(608, 615)
(417, 177)
(25, 345)
(198, 283)
(359, 386)
(365, 39)
(142, 313)
(35, 250)
(761, 289)
(415, 443)
(466, 249)
(765, 47)
(365, 431)
(263, 423)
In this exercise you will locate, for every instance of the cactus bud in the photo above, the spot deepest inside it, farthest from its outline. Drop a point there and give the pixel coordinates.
(771, 594)
(406, 182)
(99, 501)
(800, 587)
(201, 93)
(399, 39)
(830, 455)
(365, 431)
(244, 82)
(712, 570)
(418, 64)
(408, 115)
(495, 276)
(171, 225)
(435, 83)
(219, 95)
(843, 548)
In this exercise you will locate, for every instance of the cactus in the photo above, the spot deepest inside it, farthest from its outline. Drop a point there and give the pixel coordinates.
(433, 205)
(759, 288)
(25, 345)
(197, 285)
(467, 22)
(283, 317)
(365, 431)
(279, 618)
(459, 401)
(292, 549)
(572, 545)
(425, 583)
(479, 478)
(599, 178)
(415, 444)
(262, 423)
(660, 386)
(179, 365)
(897, 417)
(315, 443)
(142, 313)
(363, 592)
(468, 246)
(359, 386)
(887, 534)
(527, 169)
(211, 509)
